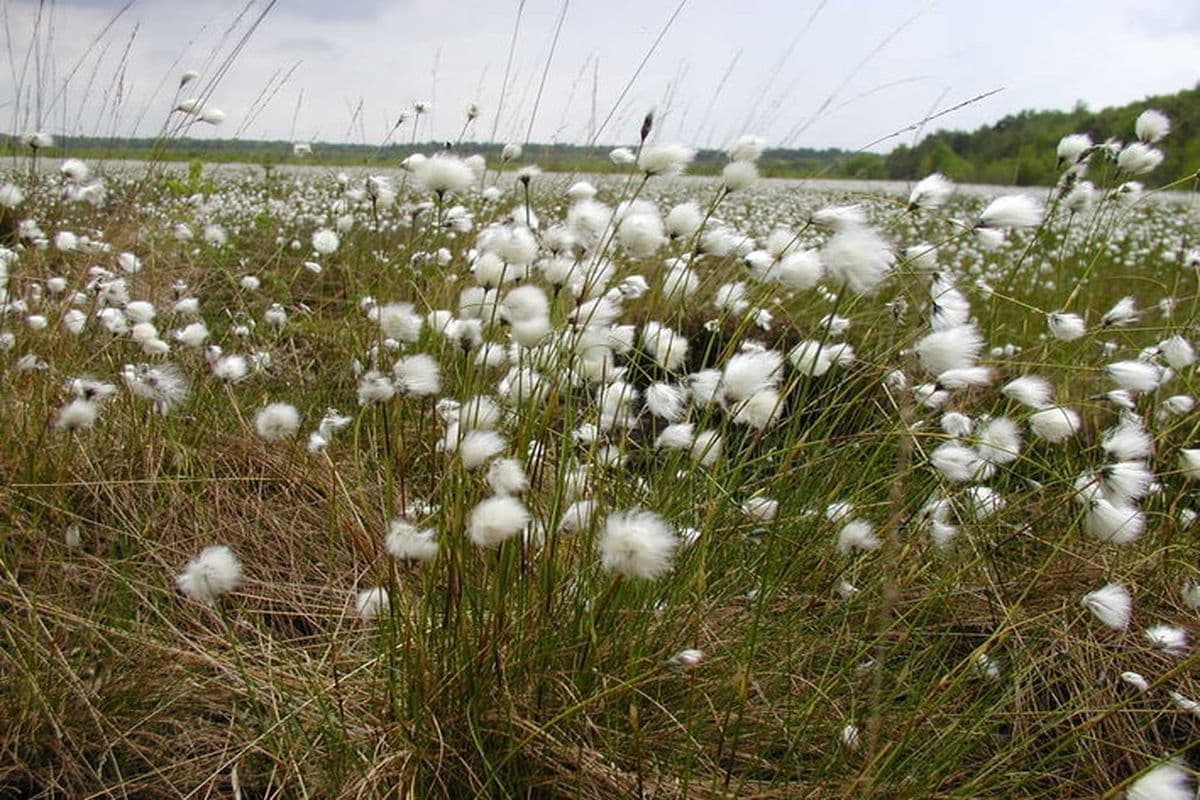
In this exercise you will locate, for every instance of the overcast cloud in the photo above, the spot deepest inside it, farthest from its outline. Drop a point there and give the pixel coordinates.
(851, 72)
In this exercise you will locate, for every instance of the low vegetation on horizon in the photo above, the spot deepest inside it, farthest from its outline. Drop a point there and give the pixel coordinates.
(1016, 150)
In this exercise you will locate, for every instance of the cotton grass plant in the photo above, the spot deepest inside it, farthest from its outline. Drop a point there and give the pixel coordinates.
(451, 482)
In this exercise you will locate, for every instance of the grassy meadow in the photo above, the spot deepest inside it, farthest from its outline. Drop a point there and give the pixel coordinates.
(464, 479)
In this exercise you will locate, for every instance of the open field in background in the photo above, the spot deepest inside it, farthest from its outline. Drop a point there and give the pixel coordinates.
(644, 486)
(815, 190)
(1016, 150)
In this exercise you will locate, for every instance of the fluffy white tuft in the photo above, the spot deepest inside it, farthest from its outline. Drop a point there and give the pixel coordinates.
(400, 322)
(959, 463)
(1115, 523)
(480, 446)
(1012, 211)
(1136, 680)
(231, 368)
(77, 415)
(637, 544)
(799, 270)
(444, 174)
(931, 192)
(507, 476)
(1123, 313)
(407, 542)
(684, 220)
(665, 401)
(418, 374)
(965, 378)
(1073, 146)
(676, 437)
(1178, 352)
(1064, 326)
(370, 603)
(1127, 441)
(1135, 376)
(748, 372)
(578, 516)
(998, 441)
(1139, 158)
(739, 175)
(665, 159)
(857, 258)
(1189, 463)
(760, 409)
(1029, 390)
(857, 535)
(216, 571)
(1168, 638)
(277, 421)
(747, 148)
(761, 508)
(325, 241)
(810, 357)
(1126, 480)
(1167, 781)
(706, 447)
(984, 502)
(1111, 604)
(496, 520)
(1152, 125)
(953, 348)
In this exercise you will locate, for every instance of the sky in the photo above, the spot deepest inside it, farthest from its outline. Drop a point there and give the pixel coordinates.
(851, 74)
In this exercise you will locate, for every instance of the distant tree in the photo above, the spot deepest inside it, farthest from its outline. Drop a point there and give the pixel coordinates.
(1019, 148)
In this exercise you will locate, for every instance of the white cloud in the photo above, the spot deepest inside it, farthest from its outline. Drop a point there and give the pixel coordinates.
(857, 74)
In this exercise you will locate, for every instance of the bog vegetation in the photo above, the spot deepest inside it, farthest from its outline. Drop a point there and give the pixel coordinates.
(1018, 149)
(460, 479)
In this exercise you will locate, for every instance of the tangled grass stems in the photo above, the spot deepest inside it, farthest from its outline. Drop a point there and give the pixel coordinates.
(776, 524)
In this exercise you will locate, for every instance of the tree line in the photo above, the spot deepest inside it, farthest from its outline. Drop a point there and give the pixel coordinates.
(1018, 149)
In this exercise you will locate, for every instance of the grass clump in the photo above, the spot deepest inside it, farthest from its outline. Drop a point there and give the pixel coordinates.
(562, 491)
